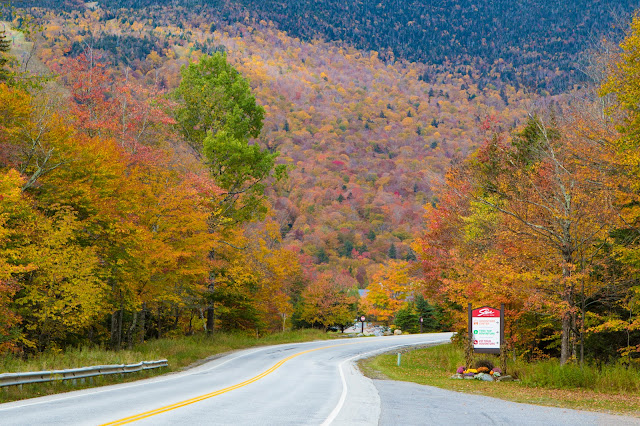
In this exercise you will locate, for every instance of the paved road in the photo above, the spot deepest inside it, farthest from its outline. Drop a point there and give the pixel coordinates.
(311, 383)
(307, 383)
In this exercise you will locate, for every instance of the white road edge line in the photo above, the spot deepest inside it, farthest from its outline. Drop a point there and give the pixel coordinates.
(343, 396)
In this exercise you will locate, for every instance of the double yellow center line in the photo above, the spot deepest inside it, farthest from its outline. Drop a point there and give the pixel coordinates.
(166, 408)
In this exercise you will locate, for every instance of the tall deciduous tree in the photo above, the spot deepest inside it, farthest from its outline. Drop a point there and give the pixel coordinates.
(13, 208)
(546, 184)
(622, 88)
(388, 290)
(218, 115)
(326, 304)
(216, 97)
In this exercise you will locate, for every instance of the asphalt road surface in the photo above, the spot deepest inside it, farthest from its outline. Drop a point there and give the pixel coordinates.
(443, 407)
(313, 383)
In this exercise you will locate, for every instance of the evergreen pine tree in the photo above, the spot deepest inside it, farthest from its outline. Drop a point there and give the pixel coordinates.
(393, 253)
(428, 313)
(407, 320)
(5, 47)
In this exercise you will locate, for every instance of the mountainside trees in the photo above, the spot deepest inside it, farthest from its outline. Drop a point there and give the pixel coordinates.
(534, 44)
(151, 194)
(361, 138)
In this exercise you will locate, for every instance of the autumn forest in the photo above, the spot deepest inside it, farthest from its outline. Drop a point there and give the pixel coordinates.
(257, 166)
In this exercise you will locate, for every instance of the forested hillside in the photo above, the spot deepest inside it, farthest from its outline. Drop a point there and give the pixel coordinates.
(363, 140)
(230, 166)
(531, 43)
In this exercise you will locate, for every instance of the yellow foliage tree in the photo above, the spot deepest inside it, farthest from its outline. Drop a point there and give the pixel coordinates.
(388, 290)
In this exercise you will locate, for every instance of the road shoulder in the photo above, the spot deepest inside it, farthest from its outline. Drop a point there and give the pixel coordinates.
(411, 403)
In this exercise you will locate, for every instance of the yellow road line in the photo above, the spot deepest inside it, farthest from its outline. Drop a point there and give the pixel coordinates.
(166, 408)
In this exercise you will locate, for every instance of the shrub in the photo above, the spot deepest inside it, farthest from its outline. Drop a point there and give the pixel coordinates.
(484, 363)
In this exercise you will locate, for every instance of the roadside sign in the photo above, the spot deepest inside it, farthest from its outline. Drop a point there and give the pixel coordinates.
(486, 329)
(362, 318)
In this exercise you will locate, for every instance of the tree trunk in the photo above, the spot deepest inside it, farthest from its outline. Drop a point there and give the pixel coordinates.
(132, 330)
(202, 319)
(159, 320)
(176, 318)
(574, 335)
(210, 311)
(210, 324)
(116, 327)
(584, 312)
(567, 316)
(190, 329)
(142, 326)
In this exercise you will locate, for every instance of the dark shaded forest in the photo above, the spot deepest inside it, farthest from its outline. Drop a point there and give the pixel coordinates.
(531, 43)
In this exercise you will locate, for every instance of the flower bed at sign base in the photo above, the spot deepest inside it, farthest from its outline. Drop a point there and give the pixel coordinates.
(481, 373)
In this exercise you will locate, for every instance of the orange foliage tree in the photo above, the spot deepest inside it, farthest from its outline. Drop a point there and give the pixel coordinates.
(526, 213)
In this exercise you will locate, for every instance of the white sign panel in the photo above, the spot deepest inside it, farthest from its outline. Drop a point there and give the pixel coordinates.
(485, 328)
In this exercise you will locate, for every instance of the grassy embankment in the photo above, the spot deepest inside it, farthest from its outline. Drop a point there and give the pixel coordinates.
(612, 389)
(180, 352)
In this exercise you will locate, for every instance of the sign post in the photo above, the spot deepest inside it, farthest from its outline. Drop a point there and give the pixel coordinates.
(362, 319)
(486, 329)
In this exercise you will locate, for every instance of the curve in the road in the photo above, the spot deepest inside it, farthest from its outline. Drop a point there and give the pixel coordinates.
(343, 396)
(284, 388)
(190, 401)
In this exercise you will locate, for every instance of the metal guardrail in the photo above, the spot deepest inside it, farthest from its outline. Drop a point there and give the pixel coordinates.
(13, 379)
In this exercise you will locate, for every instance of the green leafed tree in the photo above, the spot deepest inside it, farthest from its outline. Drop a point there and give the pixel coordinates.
(215, 97)
(218, 115)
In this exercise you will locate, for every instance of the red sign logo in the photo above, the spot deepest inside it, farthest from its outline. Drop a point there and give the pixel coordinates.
(486, 312)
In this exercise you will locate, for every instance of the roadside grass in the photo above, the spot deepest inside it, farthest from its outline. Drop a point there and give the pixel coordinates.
(181, 352)
(613, 389)
(607, 379)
